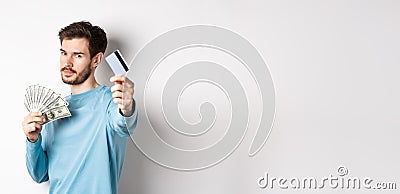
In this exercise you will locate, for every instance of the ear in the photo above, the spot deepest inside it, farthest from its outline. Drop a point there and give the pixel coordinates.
(97, 59)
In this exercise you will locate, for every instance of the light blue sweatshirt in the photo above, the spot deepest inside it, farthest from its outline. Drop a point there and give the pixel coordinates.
(83, 153)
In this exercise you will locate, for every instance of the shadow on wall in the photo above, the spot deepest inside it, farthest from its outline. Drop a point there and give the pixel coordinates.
(133, 163)
(133, 178)
(104, 72)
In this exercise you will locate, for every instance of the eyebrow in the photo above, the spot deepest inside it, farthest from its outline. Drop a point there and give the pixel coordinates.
(75, 53)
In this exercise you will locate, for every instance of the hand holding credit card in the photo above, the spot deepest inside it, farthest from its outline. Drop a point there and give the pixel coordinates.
(123, 88)
(117, 63)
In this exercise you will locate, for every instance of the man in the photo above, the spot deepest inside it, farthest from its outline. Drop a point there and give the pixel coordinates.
(83, 153)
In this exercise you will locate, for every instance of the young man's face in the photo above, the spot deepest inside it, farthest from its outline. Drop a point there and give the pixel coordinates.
(75, 61)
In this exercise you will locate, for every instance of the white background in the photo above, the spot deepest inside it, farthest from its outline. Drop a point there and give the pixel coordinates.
(335, 66)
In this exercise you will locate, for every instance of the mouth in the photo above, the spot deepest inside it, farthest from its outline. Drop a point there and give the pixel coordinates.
(67, 72)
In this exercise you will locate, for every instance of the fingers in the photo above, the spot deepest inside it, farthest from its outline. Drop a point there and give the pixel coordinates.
(30, 126)
(122, 103)
(35, 114)
(33, 117)
(118, 101)
(123, 87)
(122, 92)
(121, 79)
(117, 94)
(118, 78)
(117, 88)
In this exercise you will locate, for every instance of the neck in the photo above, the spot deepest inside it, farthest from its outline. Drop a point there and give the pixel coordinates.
(87, 85)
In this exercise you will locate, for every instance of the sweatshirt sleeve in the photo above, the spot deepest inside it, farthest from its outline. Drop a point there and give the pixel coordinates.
(36, 161)
(123, 126)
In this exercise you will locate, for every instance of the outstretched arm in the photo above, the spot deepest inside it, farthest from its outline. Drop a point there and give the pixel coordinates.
(123, 112)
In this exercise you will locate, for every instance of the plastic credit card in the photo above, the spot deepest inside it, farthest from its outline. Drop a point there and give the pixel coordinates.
(117, 63)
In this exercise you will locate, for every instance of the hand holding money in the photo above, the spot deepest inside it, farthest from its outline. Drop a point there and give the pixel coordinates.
(31, 125)
(44, 106)
(46, 101)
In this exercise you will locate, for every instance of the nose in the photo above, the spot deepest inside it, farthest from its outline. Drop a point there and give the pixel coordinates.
(68, 64)
(67, 61)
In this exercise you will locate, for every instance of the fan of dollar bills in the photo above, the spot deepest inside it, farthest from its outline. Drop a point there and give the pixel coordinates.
(44, 100)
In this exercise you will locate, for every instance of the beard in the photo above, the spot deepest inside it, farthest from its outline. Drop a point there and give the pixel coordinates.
(80, 77)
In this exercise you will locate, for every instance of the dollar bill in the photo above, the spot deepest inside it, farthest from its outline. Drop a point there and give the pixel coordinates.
(58, 102)
(41, 99)
(55, 113)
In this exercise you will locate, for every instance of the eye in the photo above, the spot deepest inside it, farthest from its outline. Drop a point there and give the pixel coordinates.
(63, 53)
(78, 56)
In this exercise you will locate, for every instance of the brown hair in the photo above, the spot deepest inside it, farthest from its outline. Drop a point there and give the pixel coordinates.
(94, 34)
